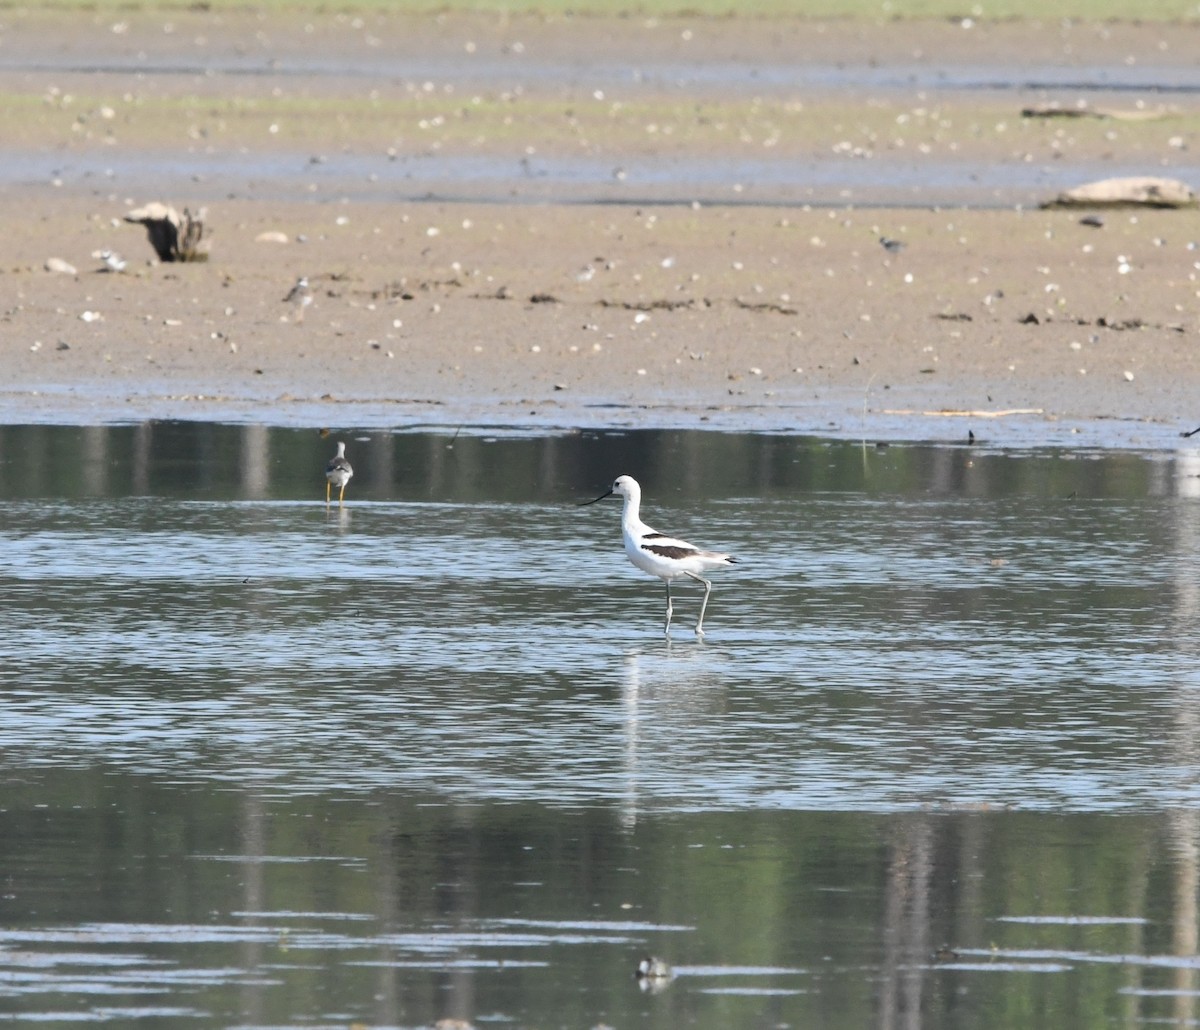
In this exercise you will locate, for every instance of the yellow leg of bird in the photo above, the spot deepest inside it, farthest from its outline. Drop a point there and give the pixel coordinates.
(341, 494)
(328, 487)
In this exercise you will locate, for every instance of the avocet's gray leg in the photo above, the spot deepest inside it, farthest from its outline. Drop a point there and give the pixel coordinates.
(667, 627)
(704, 605)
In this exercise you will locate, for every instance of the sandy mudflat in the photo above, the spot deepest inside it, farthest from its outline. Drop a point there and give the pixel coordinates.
(534, 290)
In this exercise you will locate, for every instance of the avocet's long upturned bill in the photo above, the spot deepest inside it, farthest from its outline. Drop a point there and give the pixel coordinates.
(338, 473)
(661, 555)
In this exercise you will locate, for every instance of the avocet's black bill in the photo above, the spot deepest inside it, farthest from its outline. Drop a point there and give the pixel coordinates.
(607, 493)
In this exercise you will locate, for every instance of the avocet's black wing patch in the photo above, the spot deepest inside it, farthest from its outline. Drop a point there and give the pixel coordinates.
(669, 551)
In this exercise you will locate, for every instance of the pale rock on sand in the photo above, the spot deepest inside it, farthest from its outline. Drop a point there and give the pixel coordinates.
(1136, 191)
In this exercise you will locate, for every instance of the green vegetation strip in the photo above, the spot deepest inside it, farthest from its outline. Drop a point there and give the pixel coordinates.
(1081, 10)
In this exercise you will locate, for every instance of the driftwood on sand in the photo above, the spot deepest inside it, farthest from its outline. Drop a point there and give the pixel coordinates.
(173, 236)
(1085, 110)
(1137, 191)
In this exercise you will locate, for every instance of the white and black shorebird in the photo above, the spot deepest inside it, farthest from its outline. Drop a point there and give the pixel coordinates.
(299, 297)
(111, 259)
(113, 262)
(653, 974)
(660, 555)
(337, 473)
(651, 968)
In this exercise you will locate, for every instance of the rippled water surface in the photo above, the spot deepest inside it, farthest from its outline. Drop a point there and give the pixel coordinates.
(428, 755)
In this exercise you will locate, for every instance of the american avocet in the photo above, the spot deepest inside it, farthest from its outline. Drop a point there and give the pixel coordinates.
(300, 297)
(661, 555)
(337, 473)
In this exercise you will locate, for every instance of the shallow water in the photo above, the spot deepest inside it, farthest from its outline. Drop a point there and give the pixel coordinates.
(489, 178)
(428, 755)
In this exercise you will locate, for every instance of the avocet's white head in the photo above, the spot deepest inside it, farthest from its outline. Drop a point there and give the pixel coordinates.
(627, 486)
(623, 486)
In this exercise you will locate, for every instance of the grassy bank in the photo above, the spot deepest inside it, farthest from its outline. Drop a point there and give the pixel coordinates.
(1084, 10)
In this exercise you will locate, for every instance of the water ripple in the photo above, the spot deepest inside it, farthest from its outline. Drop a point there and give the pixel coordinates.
(872, 653)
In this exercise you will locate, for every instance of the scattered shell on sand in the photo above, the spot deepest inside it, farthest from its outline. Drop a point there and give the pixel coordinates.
(272, 236)
(59, 265)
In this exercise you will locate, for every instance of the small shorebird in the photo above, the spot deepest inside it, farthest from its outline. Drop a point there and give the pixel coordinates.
(661, 555)
(653, 974)
(300, 297)
(113, 261)
(337, 473)
(651, 968)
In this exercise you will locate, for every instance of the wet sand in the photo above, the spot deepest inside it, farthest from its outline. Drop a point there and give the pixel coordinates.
(552, 280)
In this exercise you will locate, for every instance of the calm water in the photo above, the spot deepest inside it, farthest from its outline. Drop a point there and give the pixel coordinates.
(429, 757)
